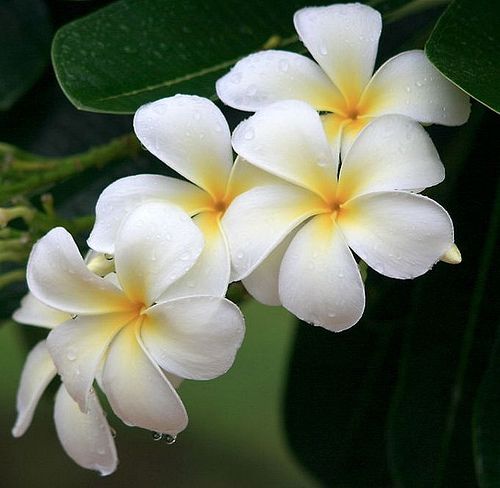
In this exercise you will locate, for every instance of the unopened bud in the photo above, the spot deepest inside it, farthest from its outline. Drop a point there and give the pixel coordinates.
(452, 255)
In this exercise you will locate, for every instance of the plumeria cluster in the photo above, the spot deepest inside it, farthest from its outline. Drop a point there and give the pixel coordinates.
(308, 197)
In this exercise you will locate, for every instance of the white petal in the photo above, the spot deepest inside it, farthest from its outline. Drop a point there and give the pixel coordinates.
(334, 125)
(409, 84)
(263, 282)
(38, 372)
(194, 337)
(86, 438)
(126, 194)
(257, 221)
(319, 278)
(399, 234)
(33, 312)
(288, 140)
(392, 153)
(78, 346)
(57, 276)
(190, 135)
(156, 245)
(269, 76)
(343, 39)
(350, 131)
(245, 176)
(137, 390)
(210, 273)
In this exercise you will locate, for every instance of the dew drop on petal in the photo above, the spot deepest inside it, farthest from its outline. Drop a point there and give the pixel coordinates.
(169, 439)
(323, 50)
(109, 257)
(74, 316)
(249, 134)
(419, 83)
(157, 436)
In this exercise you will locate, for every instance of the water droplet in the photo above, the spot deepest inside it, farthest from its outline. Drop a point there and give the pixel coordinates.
(419, 83)
(113, 432)
(239, 255)
(408, 89)
(249, 134)
(323, 50)
(74, 316)
(251, 90)
(283, 65)
(235, 78)
(157, 436)
(340, 275)
(70, 355)
(109, 257)
(332, 315)
(169, 439)
(101, 451)
(218, 127)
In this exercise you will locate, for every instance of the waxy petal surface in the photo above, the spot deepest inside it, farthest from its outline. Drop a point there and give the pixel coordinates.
(156, 245)
(38, 372)
(58, 276)
(210, 274)
(287, 139)
(399, 234)
(78, 346)
(269, 76)
(343, 39)
(392, 153)
(86, 437)
(33, 312)
(319, 279)
(257, 221)
(137, 390)
(409, 84)
(123, 196)
(194, 337)
(189, 134)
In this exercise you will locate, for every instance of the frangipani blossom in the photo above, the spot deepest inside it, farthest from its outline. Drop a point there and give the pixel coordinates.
(86, 437)
(122, 332)
(189, 134)
(343, 40)
(291, 240)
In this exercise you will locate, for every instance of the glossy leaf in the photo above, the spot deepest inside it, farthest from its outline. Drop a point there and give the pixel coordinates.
(25, 40)
(448, 341)
(464, 46)
(486, 420)
(136, 51)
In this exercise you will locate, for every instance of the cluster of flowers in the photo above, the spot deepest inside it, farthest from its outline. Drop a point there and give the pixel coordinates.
(146, 308)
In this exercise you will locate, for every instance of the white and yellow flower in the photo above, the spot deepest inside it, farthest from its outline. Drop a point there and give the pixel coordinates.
(189, 134)
(131, 328)
(290, 241)
(343, 40)
(86, 437)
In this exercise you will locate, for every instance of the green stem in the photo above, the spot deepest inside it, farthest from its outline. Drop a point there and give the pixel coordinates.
(57, 169)
(12, 277)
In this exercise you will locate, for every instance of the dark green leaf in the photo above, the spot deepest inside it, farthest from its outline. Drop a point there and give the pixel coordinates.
(486, 421)
(465, 47)
(449, 338)
(26, 35)
(136, 51)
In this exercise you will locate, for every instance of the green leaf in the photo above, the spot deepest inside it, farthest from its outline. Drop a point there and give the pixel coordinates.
(486, 420)
(136, 51)
(449, 337)
(26, 35)
(339, 391)
(464, 46)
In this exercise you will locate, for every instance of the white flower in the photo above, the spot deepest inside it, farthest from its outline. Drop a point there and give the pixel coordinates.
(343, 40)
(191, 135)
(86, 437)
(290, 241)
(126, 330)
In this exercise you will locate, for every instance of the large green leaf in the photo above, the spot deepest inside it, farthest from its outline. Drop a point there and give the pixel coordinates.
(465, 48)
(26, 35)
(136, 51)
(449, 339)
(486, 421)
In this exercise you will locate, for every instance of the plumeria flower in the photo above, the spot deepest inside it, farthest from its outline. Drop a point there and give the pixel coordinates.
(343, 40)
(126, 330)
(190, 135)
(290, 241)
(86, 437)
